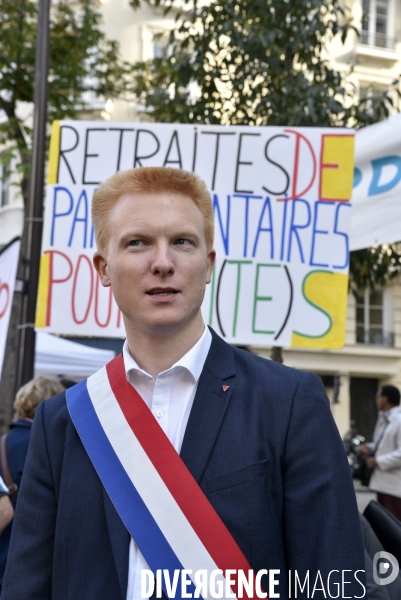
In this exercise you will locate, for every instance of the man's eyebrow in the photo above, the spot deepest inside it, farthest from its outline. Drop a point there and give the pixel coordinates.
(185, 233)
(141, 231)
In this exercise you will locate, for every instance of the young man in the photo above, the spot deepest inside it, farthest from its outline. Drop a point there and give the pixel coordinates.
(255, 473)
(386, 451)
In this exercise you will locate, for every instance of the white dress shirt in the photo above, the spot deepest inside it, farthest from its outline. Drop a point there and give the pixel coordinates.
(170, 399)
(386, 477)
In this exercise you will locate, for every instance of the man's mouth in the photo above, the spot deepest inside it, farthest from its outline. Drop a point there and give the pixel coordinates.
(162, 292)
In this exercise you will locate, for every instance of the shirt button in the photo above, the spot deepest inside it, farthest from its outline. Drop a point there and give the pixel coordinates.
(159, 413)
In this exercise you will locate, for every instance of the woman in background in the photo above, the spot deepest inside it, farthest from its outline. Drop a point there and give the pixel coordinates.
(14, 445)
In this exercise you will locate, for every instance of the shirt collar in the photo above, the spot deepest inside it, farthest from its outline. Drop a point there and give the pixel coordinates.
(392, 412)
(193, 361)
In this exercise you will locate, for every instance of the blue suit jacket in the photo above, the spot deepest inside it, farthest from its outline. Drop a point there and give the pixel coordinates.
(266, 453)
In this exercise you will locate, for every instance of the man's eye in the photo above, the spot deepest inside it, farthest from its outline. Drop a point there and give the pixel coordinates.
(134, 242)
(181, 242)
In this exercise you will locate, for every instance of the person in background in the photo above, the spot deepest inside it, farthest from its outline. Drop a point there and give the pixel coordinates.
(384, 453)
(14, 445)
(6, 507)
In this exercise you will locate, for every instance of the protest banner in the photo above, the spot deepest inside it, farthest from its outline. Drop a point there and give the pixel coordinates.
(8, 270)
(376, 206)
(282, 213)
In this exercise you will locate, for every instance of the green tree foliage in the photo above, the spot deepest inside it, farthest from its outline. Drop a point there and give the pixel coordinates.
(253, 63)
(81, 60)
(374, 267)
(262, 63)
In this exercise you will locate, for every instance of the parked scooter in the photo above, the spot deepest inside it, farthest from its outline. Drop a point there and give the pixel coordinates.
(355, 458)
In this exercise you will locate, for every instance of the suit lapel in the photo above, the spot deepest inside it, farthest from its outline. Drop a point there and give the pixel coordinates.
(119, 540)
(209, 407)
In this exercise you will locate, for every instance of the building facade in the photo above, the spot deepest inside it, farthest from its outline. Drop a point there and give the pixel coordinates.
(371, 357)
(372, 353)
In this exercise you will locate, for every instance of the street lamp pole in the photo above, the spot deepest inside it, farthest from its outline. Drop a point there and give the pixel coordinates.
(34, 220)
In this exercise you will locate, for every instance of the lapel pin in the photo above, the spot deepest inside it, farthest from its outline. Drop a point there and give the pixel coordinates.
(225, 387)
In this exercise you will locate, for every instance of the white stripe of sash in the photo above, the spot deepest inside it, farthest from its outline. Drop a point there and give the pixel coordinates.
(176, 528)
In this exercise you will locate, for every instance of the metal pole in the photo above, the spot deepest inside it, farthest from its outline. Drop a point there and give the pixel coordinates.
(34, 220)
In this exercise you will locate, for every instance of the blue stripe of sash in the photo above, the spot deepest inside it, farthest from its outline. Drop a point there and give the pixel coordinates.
(128, 503)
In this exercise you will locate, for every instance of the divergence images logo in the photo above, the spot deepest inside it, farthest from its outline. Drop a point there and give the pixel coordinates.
(385, 568)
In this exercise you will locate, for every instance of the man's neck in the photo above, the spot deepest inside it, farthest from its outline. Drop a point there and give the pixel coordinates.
(155, 354)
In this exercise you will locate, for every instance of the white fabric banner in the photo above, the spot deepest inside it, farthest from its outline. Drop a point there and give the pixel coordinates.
(8, 270)
(282, 216)
(376, 198)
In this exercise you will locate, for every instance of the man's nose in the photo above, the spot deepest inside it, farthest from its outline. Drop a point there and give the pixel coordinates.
(162, 262)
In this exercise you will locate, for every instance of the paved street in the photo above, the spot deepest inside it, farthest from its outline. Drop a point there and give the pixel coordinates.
(363, 496)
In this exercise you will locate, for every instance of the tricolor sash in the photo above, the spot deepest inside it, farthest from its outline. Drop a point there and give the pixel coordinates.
(157, 498)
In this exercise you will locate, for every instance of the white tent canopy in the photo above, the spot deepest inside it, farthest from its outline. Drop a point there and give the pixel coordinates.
(56, 356)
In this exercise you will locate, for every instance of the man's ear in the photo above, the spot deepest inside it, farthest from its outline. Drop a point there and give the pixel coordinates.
(211, 258)
(100, 264)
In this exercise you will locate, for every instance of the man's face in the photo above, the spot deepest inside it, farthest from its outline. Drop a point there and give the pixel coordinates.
(156, 261)
(381, 401)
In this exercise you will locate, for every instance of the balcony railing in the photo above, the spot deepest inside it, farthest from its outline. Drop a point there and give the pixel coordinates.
(375, 337)
(380, 40)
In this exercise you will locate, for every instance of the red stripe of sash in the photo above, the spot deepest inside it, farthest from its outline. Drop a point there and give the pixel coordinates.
(190, 498)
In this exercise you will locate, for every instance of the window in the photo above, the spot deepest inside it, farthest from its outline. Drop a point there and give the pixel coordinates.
(159, 49)
(373, 319)
(5, 171)
(376, 23)
(155, 38)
